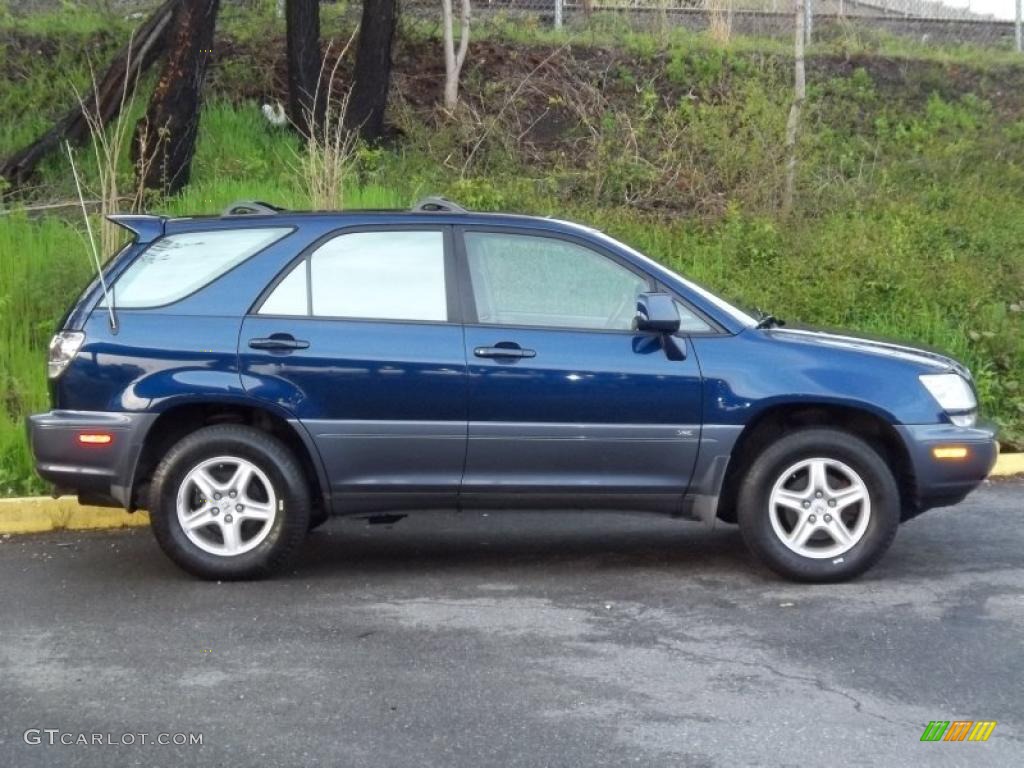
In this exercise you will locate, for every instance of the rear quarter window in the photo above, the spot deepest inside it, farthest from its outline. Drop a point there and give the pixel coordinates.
(178, 265)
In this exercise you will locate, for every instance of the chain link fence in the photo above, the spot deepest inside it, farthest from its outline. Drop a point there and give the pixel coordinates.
(989, 23)
(982, 22)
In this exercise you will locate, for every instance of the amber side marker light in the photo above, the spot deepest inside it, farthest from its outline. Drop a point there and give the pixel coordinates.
(95, 438)
(949, 452)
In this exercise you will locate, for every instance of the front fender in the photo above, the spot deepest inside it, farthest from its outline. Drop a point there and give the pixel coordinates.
(747, 374)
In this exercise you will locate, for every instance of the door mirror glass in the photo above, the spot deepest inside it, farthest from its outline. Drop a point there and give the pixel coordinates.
(657, 313)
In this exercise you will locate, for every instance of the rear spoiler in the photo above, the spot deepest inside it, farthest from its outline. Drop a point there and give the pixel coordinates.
(145, 227)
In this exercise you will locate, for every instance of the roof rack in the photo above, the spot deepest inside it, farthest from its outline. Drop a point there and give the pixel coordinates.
(251, 208)
(438, 205)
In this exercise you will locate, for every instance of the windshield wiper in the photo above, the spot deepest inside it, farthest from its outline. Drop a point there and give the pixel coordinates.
(765, 320)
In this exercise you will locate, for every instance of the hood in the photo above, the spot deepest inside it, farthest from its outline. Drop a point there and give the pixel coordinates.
(934, 361)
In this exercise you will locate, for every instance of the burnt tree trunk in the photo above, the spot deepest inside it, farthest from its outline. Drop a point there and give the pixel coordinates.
(137, 56)
(165, 138)
(302, 18)
(372, 75)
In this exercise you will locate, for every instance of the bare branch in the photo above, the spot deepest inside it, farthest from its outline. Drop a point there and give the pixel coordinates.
(508, 102)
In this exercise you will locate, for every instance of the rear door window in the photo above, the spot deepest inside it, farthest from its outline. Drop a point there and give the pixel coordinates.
(392, 275)
(179, 265)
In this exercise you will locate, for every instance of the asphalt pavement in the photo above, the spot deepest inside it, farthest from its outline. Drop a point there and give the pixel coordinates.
(517, 639)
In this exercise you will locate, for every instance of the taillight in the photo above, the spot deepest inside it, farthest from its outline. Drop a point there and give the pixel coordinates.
(63, 347)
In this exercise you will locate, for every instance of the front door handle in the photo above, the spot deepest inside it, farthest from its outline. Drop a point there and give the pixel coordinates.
(504, 349)
(279, 341)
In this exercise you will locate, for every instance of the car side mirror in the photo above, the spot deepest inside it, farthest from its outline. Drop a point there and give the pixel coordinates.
(656, 313)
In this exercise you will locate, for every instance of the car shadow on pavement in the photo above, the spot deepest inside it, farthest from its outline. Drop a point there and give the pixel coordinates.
(519, 540)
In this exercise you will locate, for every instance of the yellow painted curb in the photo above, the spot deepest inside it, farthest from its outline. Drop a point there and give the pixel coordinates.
(38, 514)
(1009, 464)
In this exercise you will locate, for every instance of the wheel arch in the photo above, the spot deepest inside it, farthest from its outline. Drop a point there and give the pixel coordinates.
(176, 421)
(862, 422)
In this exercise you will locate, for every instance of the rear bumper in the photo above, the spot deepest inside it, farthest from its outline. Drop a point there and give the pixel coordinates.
(941, 482)
(101, 473)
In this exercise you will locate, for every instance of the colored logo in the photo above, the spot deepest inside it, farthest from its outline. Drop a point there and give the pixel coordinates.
(958, 730)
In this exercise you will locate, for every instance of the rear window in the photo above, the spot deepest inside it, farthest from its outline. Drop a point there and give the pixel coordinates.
(177, 265)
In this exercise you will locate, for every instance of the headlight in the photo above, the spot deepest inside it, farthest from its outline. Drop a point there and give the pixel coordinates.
(63, 348)
(951, 391)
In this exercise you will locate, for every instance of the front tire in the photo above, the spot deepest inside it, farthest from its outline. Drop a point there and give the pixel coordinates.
(229, 502)
(819, 505)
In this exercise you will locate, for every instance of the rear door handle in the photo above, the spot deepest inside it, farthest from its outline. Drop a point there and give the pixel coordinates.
(504, 351)
(279, 341)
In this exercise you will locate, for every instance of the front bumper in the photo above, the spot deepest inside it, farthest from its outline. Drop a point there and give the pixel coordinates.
(941, 482)
(100, 473)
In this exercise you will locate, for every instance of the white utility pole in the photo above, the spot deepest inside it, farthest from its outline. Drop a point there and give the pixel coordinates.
(1017, 28)
(799, 95)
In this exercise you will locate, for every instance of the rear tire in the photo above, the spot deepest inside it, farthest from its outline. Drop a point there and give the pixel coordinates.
(819, 505)
(229, 502)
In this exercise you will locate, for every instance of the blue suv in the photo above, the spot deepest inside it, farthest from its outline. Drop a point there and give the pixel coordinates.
(244, 377)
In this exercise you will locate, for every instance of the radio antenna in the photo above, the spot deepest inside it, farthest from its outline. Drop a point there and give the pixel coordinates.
(92, 240)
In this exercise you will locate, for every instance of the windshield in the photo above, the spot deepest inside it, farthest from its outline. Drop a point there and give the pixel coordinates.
(733, 311)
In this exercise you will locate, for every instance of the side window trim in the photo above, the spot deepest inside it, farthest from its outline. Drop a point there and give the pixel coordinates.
(452, 288)
(307, 266)
(469, 310)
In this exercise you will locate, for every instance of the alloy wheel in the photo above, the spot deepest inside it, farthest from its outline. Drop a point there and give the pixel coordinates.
(820, 508)
(226, 505)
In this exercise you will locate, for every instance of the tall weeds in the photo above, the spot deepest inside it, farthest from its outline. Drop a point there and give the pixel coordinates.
(719, 20)
(108, 146)
(326, 161)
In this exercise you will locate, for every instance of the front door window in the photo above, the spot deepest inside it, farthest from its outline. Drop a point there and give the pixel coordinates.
(545, 282)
